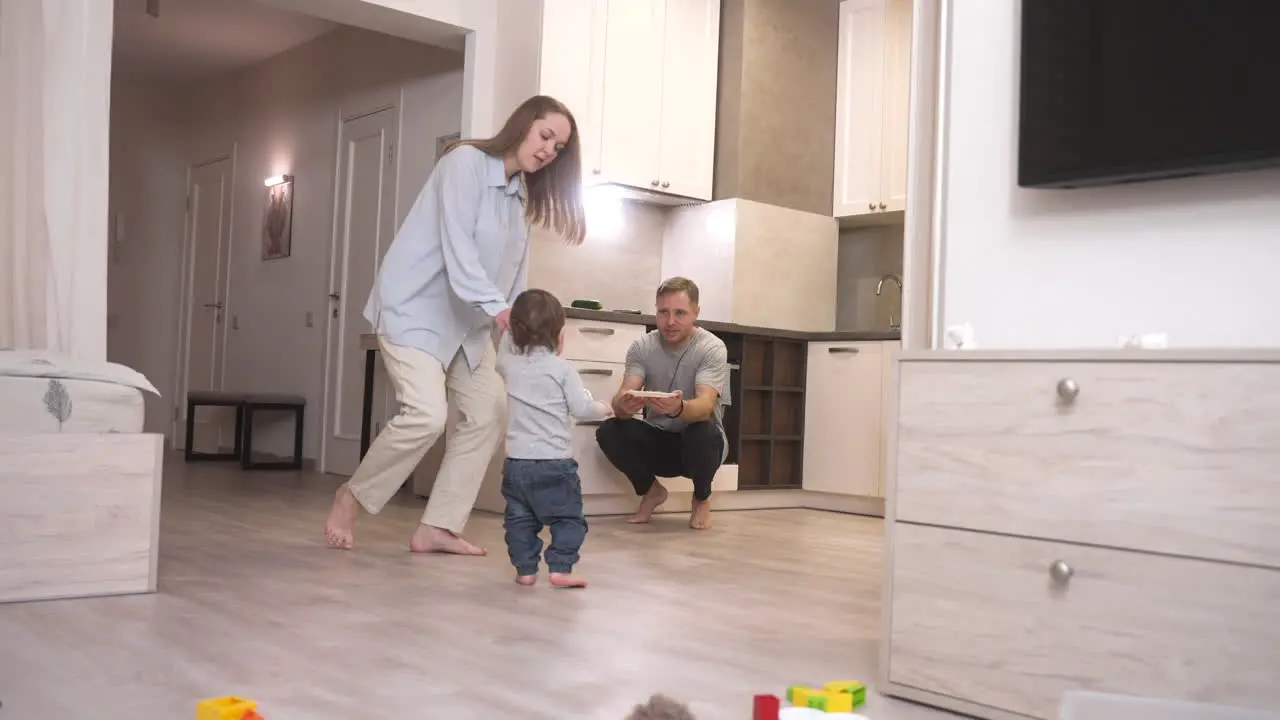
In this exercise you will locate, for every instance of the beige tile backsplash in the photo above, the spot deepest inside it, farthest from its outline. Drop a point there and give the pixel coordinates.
(619, 265)
(866, 254)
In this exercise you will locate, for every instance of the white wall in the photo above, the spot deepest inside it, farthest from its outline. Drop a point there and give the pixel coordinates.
(281, 116)
(1196, 258)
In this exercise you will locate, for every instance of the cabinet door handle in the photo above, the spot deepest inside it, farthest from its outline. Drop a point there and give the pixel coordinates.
(849, 350)
(883, 206)
(871, 206)
(595, 371)
(735, 366)
(596, 330)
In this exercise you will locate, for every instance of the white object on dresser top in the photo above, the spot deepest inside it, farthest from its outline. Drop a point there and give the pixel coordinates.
(45, 364)
(34, 405)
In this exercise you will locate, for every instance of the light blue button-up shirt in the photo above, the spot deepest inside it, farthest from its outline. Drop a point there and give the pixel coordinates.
(460, 258)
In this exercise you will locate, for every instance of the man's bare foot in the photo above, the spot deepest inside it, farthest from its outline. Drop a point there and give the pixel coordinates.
(700, 518)
(339, 529)
(526, 580)
(651, 501)
(428, 539)
(567, 580)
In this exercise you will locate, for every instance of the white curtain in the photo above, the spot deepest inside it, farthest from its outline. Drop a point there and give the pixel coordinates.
(24, 228)
(55, 89)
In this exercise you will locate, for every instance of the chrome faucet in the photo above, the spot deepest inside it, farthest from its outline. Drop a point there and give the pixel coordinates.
(893, 324)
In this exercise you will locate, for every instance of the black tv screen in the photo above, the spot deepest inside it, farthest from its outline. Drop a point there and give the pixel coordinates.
(1116, 91)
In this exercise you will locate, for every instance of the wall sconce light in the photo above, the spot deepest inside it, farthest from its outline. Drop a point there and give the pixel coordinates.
(277, 180)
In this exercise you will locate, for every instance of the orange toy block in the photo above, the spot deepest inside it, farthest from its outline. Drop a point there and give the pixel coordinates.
(227, 708)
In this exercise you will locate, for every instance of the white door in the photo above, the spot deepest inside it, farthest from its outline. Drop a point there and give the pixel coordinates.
(203, 344)
(365, 227)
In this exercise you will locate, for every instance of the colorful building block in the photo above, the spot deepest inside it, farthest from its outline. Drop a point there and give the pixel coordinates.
(831, 702)
(856, 690)
(798, 695)
(766, 707)
(225, 708)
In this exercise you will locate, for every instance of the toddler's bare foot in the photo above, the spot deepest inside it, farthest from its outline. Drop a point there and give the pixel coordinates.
(567, 580)
(339, 528)
(651, 501)
(526, 580)
(700, 518)
(428, 539)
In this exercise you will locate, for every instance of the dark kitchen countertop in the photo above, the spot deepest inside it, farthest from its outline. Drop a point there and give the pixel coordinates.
(837, 336)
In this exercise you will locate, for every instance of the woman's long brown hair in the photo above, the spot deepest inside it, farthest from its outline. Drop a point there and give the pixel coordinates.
(555, 191)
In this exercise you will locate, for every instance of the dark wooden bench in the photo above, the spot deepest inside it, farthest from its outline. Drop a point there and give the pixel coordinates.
(246, 405)
(254, 402)
(214, 398)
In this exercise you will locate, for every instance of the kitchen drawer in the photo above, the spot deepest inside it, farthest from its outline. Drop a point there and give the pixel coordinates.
(599, 341)
(601, 379)
(989, 619)
(1172, 457)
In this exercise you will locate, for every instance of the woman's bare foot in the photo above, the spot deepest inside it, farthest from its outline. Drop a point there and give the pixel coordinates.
(526, 580)
(700, 518)
(339, 529)
(651, 501)
(428, 539)
(567, 580)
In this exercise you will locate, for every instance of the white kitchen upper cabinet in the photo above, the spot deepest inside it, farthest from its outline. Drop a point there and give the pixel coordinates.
(691, 64)
(872, 99)
(571, 67)
(640, 77)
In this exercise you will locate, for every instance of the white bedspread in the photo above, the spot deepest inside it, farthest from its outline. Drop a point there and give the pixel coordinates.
(42, 392)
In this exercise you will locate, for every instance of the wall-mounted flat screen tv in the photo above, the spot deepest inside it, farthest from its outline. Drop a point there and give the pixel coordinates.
(1115, 91)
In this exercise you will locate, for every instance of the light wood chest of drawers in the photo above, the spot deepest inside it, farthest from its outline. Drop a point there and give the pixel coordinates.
(1105, 521)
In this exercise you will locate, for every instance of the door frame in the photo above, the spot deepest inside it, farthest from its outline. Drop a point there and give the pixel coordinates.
(186, 270)
(377, 102)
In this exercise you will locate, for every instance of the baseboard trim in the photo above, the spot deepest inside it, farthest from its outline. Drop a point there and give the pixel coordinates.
(679, 502)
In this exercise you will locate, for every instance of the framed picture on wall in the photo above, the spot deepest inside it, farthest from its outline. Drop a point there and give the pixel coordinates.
(277, 222)
(444, 141)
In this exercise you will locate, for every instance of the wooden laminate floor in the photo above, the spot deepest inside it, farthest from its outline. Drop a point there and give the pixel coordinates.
(251, 603)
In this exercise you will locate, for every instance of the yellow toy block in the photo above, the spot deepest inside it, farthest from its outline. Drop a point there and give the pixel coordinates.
(846, 686)
(832, 702)
(224, 708)
(798, 695)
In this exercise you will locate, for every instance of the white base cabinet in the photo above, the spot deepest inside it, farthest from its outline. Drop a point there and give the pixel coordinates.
(844, 416)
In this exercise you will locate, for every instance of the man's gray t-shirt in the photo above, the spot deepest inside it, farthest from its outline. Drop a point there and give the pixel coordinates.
(702, 361)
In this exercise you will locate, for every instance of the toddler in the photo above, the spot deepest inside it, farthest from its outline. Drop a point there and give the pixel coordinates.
(540, 477)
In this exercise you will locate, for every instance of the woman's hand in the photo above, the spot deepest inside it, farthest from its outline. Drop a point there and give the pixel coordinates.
(503, 320)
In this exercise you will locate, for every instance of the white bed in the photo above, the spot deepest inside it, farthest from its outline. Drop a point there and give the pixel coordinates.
(79, 480)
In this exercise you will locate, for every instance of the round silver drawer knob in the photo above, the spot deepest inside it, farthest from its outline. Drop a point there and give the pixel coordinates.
(1060, 571)
(1068, 389)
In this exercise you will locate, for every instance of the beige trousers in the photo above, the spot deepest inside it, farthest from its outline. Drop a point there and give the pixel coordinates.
(423, 388)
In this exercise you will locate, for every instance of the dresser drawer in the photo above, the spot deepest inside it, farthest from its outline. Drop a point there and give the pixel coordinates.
(1172, 457)
(991, 620)
(599, 341)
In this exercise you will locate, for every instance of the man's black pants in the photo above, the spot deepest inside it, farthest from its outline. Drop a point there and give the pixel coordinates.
(644, 453)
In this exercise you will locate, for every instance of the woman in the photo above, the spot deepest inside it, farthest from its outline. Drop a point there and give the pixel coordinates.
(456, 265)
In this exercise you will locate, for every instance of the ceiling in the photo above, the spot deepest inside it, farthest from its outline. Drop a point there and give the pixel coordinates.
(195, 40)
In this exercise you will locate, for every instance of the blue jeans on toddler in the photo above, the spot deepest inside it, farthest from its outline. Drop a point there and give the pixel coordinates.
(543, 493)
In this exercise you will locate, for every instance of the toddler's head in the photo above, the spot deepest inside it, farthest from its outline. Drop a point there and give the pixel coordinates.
(537, 320)
(661, 707)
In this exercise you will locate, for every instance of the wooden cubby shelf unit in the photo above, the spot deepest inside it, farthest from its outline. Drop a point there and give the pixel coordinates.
(770, 420)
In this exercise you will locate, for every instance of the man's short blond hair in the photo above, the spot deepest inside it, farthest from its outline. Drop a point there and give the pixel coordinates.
(679, 284)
